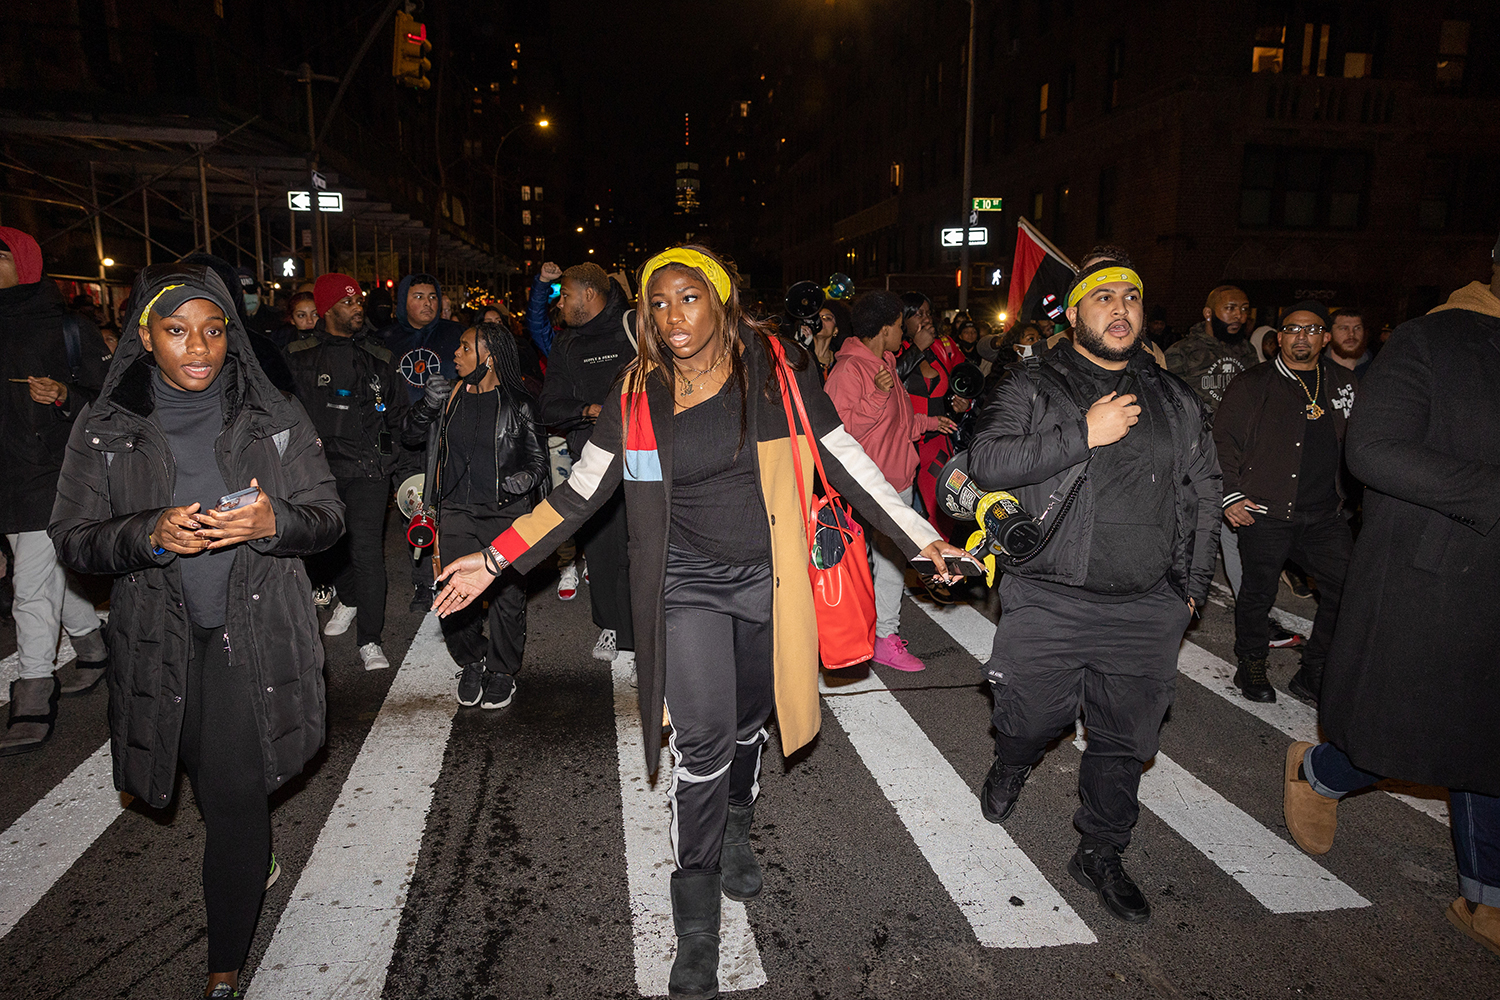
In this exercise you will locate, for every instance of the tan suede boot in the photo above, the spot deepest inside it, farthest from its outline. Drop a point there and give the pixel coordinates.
(1312, 819)
(1482, 923)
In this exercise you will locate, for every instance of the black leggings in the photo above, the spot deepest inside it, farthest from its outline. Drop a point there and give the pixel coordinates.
(220, 750)
(719, 695)
(467, 528)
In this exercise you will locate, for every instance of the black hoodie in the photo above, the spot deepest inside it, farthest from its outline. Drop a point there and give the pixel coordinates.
(584, 363)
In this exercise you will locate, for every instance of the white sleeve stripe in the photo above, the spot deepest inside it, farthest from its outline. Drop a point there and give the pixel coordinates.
(863, 468)
(589, 470)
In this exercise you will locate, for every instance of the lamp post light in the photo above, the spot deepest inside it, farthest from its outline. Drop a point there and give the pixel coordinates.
(495, 185)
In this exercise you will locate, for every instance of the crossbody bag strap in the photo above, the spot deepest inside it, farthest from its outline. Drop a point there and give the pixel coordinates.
(791, 429)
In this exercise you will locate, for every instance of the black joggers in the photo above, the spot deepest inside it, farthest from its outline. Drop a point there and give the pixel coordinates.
(359, 556)
(1319, 543)
(220, 751)
(466, 528)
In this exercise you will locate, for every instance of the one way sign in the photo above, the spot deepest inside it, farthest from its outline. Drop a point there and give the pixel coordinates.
(328, 201)
(978, 237)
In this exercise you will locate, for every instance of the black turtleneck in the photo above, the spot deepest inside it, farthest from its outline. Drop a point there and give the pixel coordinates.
(192, 422)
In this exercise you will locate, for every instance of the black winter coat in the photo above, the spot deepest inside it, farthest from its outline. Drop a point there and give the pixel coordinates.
(1412, 685)
(1031, 436)
(582, 368)
(34, 436)
(116, 481)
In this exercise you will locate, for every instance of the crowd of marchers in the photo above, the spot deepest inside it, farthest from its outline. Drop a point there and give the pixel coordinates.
(230, 469)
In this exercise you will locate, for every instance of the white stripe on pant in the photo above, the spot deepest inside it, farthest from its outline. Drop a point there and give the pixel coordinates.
(45, 599)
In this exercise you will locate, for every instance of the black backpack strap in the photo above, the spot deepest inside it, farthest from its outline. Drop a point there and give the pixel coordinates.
(73, 344)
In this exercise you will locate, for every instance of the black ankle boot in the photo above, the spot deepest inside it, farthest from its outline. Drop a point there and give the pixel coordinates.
(1250, 678)
(1306, 684)
(740, 872)
(1002, 787)
(695, 916)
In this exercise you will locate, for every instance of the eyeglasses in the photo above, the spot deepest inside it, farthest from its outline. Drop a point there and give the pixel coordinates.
(1293, 330)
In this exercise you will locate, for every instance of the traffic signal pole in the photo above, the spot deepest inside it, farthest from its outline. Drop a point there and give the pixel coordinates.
(969, 215)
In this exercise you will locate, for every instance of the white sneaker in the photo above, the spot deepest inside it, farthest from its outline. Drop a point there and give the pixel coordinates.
(343, 617)
(373, 656)
(567, 582)
(604, 649)
(626, 658)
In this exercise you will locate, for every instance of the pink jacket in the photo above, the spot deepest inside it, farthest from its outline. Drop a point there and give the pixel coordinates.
(882, 422)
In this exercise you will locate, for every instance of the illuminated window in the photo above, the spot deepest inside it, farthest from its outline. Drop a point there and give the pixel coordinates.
(1041, 111)
(1453, 54)
(896, 177)
(525, 192)
(1315, 39)
(744, 109)
(1358, 64)
(1270, 48)
(537, 192)
(525, 216)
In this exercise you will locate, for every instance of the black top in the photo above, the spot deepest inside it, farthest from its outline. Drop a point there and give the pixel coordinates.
(717, 510)
(1131, 484)
(192, 422)
(469, 467)
(1317, 487)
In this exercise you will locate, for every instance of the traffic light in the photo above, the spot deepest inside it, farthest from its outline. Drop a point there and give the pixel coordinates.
(409, 64)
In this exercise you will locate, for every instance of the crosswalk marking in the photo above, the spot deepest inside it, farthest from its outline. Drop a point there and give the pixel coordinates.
(39, 847)
(647, 820)
(10, 667)
(977, 862)
(337, 935)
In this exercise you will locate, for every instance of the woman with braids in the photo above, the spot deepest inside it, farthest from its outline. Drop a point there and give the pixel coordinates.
(722, 605)
(485, 464)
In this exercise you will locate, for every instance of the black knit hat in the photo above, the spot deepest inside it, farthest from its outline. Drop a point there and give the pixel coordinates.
(1313, 306)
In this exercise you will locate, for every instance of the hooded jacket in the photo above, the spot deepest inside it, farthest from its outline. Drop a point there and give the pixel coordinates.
(1209, 364)
(582, 367)
(116, 480)
(417, 350)
(34, 436)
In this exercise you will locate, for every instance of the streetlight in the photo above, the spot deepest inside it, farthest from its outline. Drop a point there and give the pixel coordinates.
(108, 262)
(495, 188)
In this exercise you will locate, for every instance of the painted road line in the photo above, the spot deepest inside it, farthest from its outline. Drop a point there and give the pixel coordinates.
(1287, 714)
(40, 846)
(647, 817)
(965, 625)
(336, 936)
(1302, 626)
(976, 861)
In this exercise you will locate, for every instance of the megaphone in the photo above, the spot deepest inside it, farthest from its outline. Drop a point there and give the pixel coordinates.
(803, 300)
(1005, 528)
(966, 380)
(421, 526)
(840, 286)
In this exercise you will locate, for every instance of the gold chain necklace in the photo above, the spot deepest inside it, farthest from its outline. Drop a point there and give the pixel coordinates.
(1314, 411)
(687, 384)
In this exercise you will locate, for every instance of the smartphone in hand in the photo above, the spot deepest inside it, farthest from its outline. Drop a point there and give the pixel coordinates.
(235, 501)
(956, 565)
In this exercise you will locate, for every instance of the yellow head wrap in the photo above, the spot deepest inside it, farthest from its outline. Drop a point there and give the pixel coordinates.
(146, 312)
(692, 258)
(1104, 277)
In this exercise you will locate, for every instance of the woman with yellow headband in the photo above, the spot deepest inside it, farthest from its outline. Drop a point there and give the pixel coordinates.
(723, 608)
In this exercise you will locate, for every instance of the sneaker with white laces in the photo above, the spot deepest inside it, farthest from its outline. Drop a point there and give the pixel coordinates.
(567, 582)
(373, 656)
(323, 594)
(342, 618)
(604, 649)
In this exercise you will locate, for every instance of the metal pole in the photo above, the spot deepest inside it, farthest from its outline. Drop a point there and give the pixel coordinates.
(354, 247)
(305, 77)
(968, 209)
(208, 246)
(260, 260)
(377, 255)
(105, 299)
(146, 222)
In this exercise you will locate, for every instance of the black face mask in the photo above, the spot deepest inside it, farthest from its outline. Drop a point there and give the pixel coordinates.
(1221, 331)
(477, 375)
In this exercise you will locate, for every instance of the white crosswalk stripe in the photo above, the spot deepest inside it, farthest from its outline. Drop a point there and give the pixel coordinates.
(648, 863)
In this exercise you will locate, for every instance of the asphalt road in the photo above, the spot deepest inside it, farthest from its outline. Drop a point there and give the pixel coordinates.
(438, 851)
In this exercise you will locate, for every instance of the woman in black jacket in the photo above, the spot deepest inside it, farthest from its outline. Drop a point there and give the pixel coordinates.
(486, 462)
(213, 636)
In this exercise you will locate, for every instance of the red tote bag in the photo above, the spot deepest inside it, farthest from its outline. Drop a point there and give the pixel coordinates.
(838, 563)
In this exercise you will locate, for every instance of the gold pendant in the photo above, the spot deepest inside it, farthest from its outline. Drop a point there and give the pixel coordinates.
(1314, 411)
(687, 388)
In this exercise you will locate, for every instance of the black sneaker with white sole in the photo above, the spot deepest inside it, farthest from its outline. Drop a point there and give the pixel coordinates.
(470, 683)
(499, 689)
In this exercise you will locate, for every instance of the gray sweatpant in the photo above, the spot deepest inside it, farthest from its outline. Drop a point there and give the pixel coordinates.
(45, 599)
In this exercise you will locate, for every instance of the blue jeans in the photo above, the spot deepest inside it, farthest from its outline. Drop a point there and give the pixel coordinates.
(1475, 819)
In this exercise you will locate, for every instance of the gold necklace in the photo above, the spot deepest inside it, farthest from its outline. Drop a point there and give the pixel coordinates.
(1314, 411)
(687, 384)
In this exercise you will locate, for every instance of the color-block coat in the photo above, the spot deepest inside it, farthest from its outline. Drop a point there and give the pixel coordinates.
(643, 460)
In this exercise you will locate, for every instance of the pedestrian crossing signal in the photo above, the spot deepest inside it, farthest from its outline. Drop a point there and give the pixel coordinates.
(286, 267)
(409, 64)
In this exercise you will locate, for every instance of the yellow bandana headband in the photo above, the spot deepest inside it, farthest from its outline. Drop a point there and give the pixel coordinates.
(146, 312)
(1104, 277)
(692, 258)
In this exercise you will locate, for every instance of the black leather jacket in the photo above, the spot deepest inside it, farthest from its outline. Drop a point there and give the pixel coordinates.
(518, 446)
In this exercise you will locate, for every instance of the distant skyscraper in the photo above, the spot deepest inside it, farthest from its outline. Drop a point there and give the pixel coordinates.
(688, 185)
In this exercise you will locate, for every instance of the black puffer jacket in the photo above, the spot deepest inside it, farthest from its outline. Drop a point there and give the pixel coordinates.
(1031, 436)
(582, 368)
(117, 479)
(518, 445)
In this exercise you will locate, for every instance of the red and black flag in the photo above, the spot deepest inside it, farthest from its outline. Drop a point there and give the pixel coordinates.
(1040, 277)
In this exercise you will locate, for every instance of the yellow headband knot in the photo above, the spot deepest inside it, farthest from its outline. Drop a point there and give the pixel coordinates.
(711, 269)
(1104, 277)
(146, 312)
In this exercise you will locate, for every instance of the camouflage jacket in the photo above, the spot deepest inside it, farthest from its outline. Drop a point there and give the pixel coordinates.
(1208, 364)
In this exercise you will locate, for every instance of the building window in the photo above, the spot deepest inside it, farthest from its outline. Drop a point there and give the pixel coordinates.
(1315, 49)
(1453, 54)
(1104, 223)
(895, 178)
(1038, 204)
(1115, 71)
(1437, 193)
(540, 244)
(525, 216)
(1303, 188)
(526, 242)
(1269, 50)
(1041, 111)
(1358, 65)
(536, 192)
(1460, 194)
(525, 192)
(744, 109)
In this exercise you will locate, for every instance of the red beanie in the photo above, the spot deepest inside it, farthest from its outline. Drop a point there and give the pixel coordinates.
(332, 287)
(27, 254)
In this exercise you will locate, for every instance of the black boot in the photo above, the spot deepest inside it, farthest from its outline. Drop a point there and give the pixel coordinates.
(1250, 678)
(997, 799)
(695, 915)
(33, 711)
(1097, 866)
(1306, 684)
(740, 871)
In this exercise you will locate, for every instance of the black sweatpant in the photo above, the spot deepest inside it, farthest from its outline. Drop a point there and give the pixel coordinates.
(1056, 654)
(719, 695)
(358, 559)
(603, 539)
(220, 751)
(1321, 544)
(466, 528)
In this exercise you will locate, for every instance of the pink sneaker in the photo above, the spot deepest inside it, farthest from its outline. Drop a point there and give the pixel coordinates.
(891, 651)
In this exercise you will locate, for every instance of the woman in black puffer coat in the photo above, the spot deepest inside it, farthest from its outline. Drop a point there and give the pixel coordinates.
(213, 637)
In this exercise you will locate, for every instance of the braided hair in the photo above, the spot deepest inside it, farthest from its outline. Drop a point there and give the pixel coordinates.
(500, 345)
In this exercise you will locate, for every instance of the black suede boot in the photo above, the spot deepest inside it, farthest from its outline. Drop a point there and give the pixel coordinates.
(1250, 678)
(1306, 684)
(740, 871)
(695, 915)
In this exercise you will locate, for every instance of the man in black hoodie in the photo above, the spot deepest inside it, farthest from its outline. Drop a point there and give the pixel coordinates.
(586, 358)
(51, 373)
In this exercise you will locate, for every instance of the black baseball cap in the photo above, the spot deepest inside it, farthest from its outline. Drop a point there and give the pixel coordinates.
(1313, 306)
